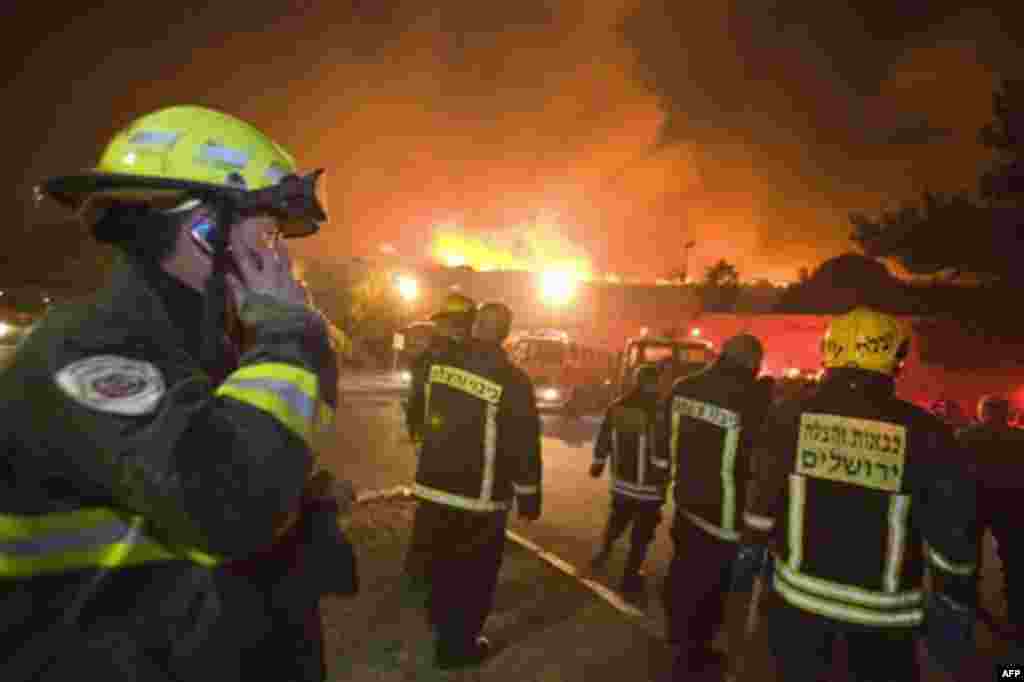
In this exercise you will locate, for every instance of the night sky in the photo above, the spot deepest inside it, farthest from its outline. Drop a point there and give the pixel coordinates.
(750, 126)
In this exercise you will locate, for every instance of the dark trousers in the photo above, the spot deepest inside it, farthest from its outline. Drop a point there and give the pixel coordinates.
(456, 555)
(645, 515)
(1011, 554)
(802, 646)
(696, 588)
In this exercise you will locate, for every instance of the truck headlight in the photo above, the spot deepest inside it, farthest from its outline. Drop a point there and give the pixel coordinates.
(550, 394)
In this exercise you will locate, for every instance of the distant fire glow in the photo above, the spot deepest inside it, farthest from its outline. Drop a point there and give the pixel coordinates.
(557, 287)
(538, 246)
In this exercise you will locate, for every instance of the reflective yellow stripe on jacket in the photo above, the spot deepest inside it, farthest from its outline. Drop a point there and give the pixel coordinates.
(287, 392)
(87, 538)
(847, 603)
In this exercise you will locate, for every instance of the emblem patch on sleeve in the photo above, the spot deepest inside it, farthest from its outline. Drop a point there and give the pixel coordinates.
(110, 383)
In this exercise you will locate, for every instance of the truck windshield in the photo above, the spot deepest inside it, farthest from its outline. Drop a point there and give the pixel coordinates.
(547, 352)
(655, 354)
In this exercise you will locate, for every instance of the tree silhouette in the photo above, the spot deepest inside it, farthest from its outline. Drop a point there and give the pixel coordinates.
(960, 234)
(1004, 181)
(841, 283)
(720, 288)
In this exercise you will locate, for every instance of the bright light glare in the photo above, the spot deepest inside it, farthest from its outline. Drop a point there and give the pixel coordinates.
(405, 376)
(792, 373)
(408, 288)
(557, 286)
(5, 329)
(695, 332)
(549, 394)
(454, 260)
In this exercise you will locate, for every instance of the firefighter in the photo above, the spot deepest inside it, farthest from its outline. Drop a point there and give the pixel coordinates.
(453, 324)
(479, 449)
(708, 421)
(850, 485)
(639, 475)
(144, 450)
(995, 452)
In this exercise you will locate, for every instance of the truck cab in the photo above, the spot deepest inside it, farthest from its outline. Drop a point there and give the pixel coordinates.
(567, 375)
(675, 358)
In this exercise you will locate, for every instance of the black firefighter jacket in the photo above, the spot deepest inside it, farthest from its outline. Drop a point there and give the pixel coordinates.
(629, 436)
(129, 475)
(710, 419)
(480, 430)
(851, 485)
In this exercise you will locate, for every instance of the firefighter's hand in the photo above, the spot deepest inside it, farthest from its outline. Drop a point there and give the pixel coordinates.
(528, 506)
(596, 469)
(264, 269)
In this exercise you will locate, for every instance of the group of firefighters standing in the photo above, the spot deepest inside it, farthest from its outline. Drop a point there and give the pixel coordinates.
(840, 500)
(837, 499)
(161, 517)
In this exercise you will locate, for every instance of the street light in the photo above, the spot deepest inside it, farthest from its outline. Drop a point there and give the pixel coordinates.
(408, 288)
(557, 287)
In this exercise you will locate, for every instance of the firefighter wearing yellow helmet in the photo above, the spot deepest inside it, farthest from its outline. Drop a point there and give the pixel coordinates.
(856, 491)
(149, 449)
(478, 446)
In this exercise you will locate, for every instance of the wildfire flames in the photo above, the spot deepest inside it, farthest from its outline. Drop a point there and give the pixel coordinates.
(535, 247)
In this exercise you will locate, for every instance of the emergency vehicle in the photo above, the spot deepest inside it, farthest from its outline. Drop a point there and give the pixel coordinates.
(675, 358)
(567, 376)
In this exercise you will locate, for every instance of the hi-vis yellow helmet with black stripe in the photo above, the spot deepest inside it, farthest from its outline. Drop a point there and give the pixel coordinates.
(456, 304)
(184, 152)
(866, 339)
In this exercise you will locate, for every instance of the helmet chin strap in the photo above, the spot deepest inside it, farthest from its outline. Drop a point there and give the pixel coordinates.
(215, 298)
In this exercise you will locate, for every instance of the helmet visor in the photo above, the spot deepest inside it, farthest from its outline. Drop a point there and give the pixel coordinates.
(298, 202)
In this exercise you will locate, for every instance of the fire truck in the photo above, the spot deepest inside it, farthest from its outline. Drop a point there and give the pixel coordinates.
(675, 358)
(568, 376)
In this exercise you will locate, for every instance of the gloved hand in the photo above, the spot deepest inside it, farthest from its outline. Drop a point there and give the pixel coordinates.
(528, 506)
(316, 332)
(262, 268)
(751, 561)
(948, 631)
(596, 469)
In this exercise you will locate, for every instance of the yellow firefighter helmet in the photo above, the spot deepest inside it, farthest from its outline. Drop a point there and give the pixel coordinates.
(866, 339)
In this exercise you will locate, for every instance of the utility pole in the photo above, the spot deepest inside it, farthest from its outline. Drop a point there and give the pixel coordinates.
(686, 259)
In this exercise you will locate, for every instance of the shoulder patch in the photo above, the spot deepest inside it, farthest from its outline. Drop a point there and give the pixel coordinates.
(115, 384)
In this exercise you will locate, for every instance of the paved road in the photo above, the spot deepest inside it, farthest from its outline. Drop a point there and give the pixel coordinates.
(372, 450)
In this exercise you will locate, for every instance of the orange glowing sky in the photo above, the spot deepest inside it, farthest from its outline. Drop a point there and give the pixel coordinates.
(486, 115)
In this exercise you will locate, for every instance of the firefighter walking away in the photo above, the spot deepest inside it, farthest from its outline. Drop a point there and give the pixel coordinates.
(855, 491)
(995, 451)
(709, 419)
(639, 475)
(476, 420)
